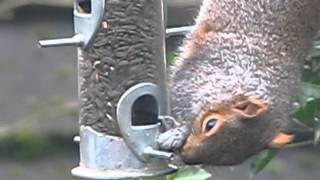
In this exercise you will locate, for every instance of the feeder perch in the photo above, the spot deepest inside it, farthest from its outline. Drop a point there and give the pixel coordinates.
(86, 24)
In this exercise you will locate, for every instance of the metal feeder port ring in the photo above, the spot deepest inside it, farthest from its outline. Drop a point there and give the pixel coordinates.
(137, 114)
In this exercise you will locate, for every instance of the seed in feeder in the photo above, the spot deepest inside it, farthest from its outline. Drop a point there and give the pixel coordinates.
(93, 56)
(123, 63)
(96, 64)
(92, 120)
(100, 125)
(109, 104)
(100, 42)
(109, 61)
(151, 75)
(113, 93)
(129, 83)
(104, 25)
(109, 116)
(95, 76)
(135, 68)
(136, 61)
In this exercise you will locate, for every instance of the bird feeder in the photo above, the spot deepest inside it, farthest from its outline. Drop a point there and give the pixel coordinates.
(122, 87)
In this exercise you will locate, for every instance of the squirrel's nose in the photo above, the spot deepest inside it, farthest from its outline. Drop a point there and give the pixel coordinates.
(189, 152)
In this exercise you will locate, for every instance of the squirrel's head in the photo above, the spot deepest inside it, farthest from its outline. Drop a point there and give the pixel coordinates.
(238, 75)
(229, 134)
(234, 107)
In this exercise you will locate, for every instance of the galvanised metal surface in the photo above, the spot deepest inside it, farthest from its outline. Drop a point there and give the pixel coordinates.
(108, 157)
(178, 31)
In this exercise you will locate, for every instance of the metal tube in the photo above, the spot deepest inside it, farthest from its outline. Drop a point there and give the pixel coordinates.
(178, 31)
(157, 154)
(76, 40)
(76, 139)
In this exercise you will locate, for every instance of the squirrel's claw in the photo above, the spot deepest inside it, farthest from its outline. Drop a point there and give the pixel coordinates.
(173, 139)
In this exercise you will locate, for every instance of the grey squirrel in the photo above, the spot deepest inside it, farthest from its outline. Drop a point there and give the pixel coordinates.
(233, 85)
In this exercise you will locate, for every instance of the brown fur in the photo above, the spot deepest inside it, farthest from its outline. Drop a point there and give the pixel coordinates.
(240, 51)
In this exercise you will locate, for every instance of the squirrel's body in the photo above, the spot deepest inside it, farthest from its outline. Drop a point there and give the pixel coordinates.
(241, 67)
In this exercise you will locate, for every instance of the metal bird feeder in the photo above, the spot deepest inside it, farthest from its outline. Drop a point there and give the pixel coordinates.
(122, 87)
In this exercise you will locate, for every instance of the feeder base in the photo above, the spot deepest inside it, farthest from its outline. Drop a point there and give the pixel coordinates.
(117, 174)
(108, 157)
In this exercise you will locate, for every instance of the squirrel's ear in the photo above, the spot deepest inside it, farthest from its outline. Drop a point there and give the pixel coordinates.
(280, 140)
(249, 108)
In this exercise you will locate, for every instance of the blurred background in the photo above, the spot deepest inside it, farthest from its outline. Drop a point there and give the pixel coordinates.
(38, 97)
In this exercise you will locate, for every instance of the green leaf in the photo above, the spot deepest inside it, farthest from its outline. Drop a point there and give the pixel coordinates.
(309, 104)
(309, 90)
(308, 112)
(261, 162)
(170, 57)
(189, 173)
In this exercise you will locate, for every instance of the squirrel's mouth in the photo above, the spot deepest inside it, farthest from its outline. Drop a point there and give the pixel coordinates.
(178, 159)
(190, 151)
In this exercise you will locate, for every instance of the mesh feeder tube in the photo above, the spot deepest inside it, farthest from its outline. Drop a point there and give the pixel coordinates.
(122, 84)
(127, 50)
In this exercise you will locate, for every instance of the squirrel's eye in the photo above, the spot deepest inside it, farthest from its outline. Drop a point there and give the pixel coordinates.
(210, 124)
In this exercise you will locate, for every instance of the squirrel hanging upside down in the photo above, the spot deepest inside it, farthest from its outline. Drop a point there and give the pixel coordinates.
(234, 84)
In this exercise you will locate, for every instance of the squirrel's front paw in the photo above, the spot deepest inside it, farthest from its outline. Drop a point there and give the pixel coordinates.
(173, 139)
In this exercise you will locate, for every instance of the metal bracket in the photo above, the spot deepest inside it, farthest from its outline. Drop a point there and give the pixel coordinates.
(141, 139)
(86, 26)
